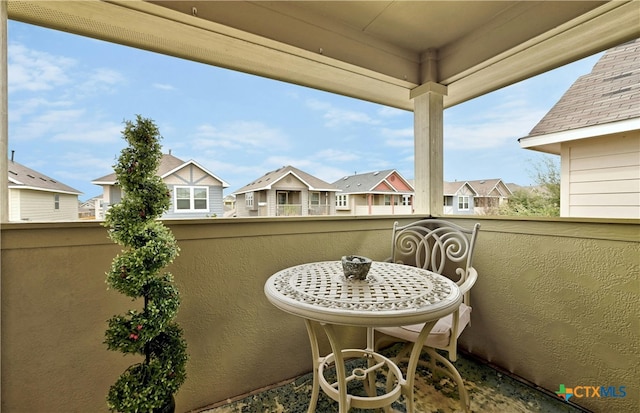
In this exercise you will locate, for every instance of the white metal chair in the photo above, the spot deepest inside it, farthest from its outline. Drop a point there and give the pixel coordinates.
(445, 248)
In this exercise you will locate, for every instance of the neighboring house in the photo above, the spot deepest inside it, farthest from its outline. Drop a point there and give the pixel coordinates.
(478, 197)
(287, 191)
(87, 209)
(490, 194)
(36, 197)
(195, 192)
(458, 198)
(595, 128)
(229, 206)
(374, 193)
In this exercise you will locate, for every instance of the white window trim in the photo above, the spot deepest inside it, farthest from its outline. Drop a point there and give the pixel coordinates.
(191, 199)
(342, 201)
(461, 201)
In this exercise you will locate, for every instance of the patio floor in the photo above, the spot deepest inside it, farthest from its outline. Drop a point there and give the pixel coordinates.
(490, 391)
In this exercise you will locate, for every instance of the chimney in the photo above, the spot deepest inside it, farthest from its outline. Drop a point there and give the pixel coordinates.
(12, 153)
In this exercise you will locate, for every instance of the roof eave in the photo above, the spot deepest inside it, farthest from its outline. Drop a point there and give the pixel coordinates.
(551, 143)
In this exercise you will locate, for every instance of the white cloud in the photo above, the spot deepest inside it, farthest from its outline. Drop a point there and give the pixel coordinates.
(337, 117)
(26, 107)
(497, 125)
(90, 132)
(388, 112)
(98, 81)
(240, 135)
(68, 125)
(398, 138)
(32, 70)
(163, 86)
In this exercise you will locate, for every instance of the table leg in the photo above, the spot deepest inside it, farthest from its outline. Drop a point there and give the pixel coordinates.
(371, 377)
(413, 364)
(315, 354)
(343, 401)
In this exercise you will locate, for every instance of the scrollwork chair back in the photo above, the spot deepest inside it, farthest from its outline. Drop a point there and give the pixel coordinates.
(444, 248)
(436, 245)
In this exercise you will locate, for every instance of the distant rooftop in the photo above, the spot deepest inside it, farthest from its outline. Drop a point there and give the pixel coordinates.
(371, 182)
(26, 178)
(267, 180)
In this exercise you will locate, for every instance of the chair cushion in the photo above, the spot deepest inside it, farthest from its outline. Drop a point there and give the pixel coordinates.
(439, 335)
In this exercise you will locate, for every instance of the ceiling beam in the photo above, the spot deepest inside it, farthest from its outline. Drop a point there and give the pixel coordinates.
(598, 30)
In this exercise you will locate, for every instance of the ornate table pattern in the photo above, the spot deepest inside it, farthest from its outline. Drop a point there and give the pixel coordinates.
(390, 295)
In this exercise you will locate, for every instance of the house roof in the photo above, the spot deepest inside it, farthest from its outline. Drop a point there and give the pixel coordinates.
(168, 165)
(480, 187)
(21, 177)
(485, 187)
(266, 181)
(452, 188)
(604, 101)
(372, 182)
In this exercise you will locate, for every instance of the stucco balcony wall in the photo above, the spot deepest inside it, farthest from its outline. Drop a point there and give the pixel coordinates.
(556, 302)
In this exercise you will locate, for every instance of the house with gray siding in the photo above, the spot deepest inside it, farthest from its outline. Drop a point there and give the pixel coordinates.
(195, 191)
(458, 198)
(595, 129)
(36, 197)
(286, 191)
(477, 197)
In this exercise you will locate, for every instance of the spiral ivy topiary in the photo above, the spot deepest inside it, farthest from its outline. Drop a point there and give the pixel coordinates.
(137, 272)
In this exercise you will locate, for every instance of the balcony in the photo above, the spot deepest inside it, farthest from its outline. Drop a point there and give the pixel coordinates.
(556, 303)
(288, 210)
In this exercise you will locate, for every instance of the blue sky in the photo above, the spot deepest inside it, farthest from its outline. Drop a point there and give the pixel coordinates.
(69, 96)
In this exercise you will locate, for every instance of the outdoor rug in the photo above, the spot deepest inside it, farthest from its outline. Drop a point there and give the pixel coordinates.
(490, 391)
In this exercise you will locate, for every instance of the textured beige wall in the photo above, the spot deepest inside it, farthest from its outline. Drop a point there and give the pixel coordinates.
(55, 305)
(556, 302)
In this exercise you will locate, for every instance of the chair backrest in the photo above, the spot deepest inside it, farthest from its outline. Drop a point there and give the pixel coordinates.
(436, 245)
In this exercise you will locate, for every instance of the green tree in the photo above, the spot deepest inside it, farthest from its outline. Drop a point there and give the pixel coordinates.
(540, 200)
(137, 272)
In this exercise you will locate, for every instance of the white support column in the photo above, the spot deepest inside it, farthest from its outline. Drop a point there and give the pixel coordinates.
(4, 117)
(428, 130)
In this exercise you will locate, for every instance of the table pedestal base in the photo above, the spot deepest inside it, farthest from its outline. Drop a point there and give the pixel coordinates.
(396, 385)
(375, 362)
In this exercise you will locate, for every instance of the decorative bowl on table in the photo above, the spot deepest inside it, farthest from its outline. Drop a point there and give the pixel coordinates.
(355, 266)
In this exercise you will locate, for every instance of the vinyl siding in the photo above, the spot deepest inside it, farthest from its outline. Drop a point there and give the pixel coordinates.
(191, 175)
(30, 205)
(601, 177)
(216, 205)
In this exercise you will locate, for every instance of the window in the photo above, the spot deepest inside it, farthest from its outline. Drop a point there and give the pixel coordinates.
(463, 203)
(248, 200)
(342, 201)
(192, 198)
(56, 201)
(389, 198)
(314, 198)
(448, 200)
(406, 200)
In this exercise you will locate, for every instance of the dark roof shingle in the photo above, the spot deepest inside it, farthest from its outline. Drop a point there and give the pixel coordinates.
(610, 93)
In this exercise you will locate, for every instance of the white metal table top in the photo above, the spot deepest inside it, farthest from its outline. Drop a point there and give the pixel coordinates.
(391, 295)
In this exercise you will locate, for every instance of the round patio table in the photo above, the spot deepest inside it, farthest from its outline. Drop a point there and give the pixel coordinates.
(390, 295)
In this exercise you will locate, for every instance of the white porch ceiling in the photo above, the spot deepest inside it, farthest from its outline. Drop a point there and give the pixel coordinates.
(372, 50)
